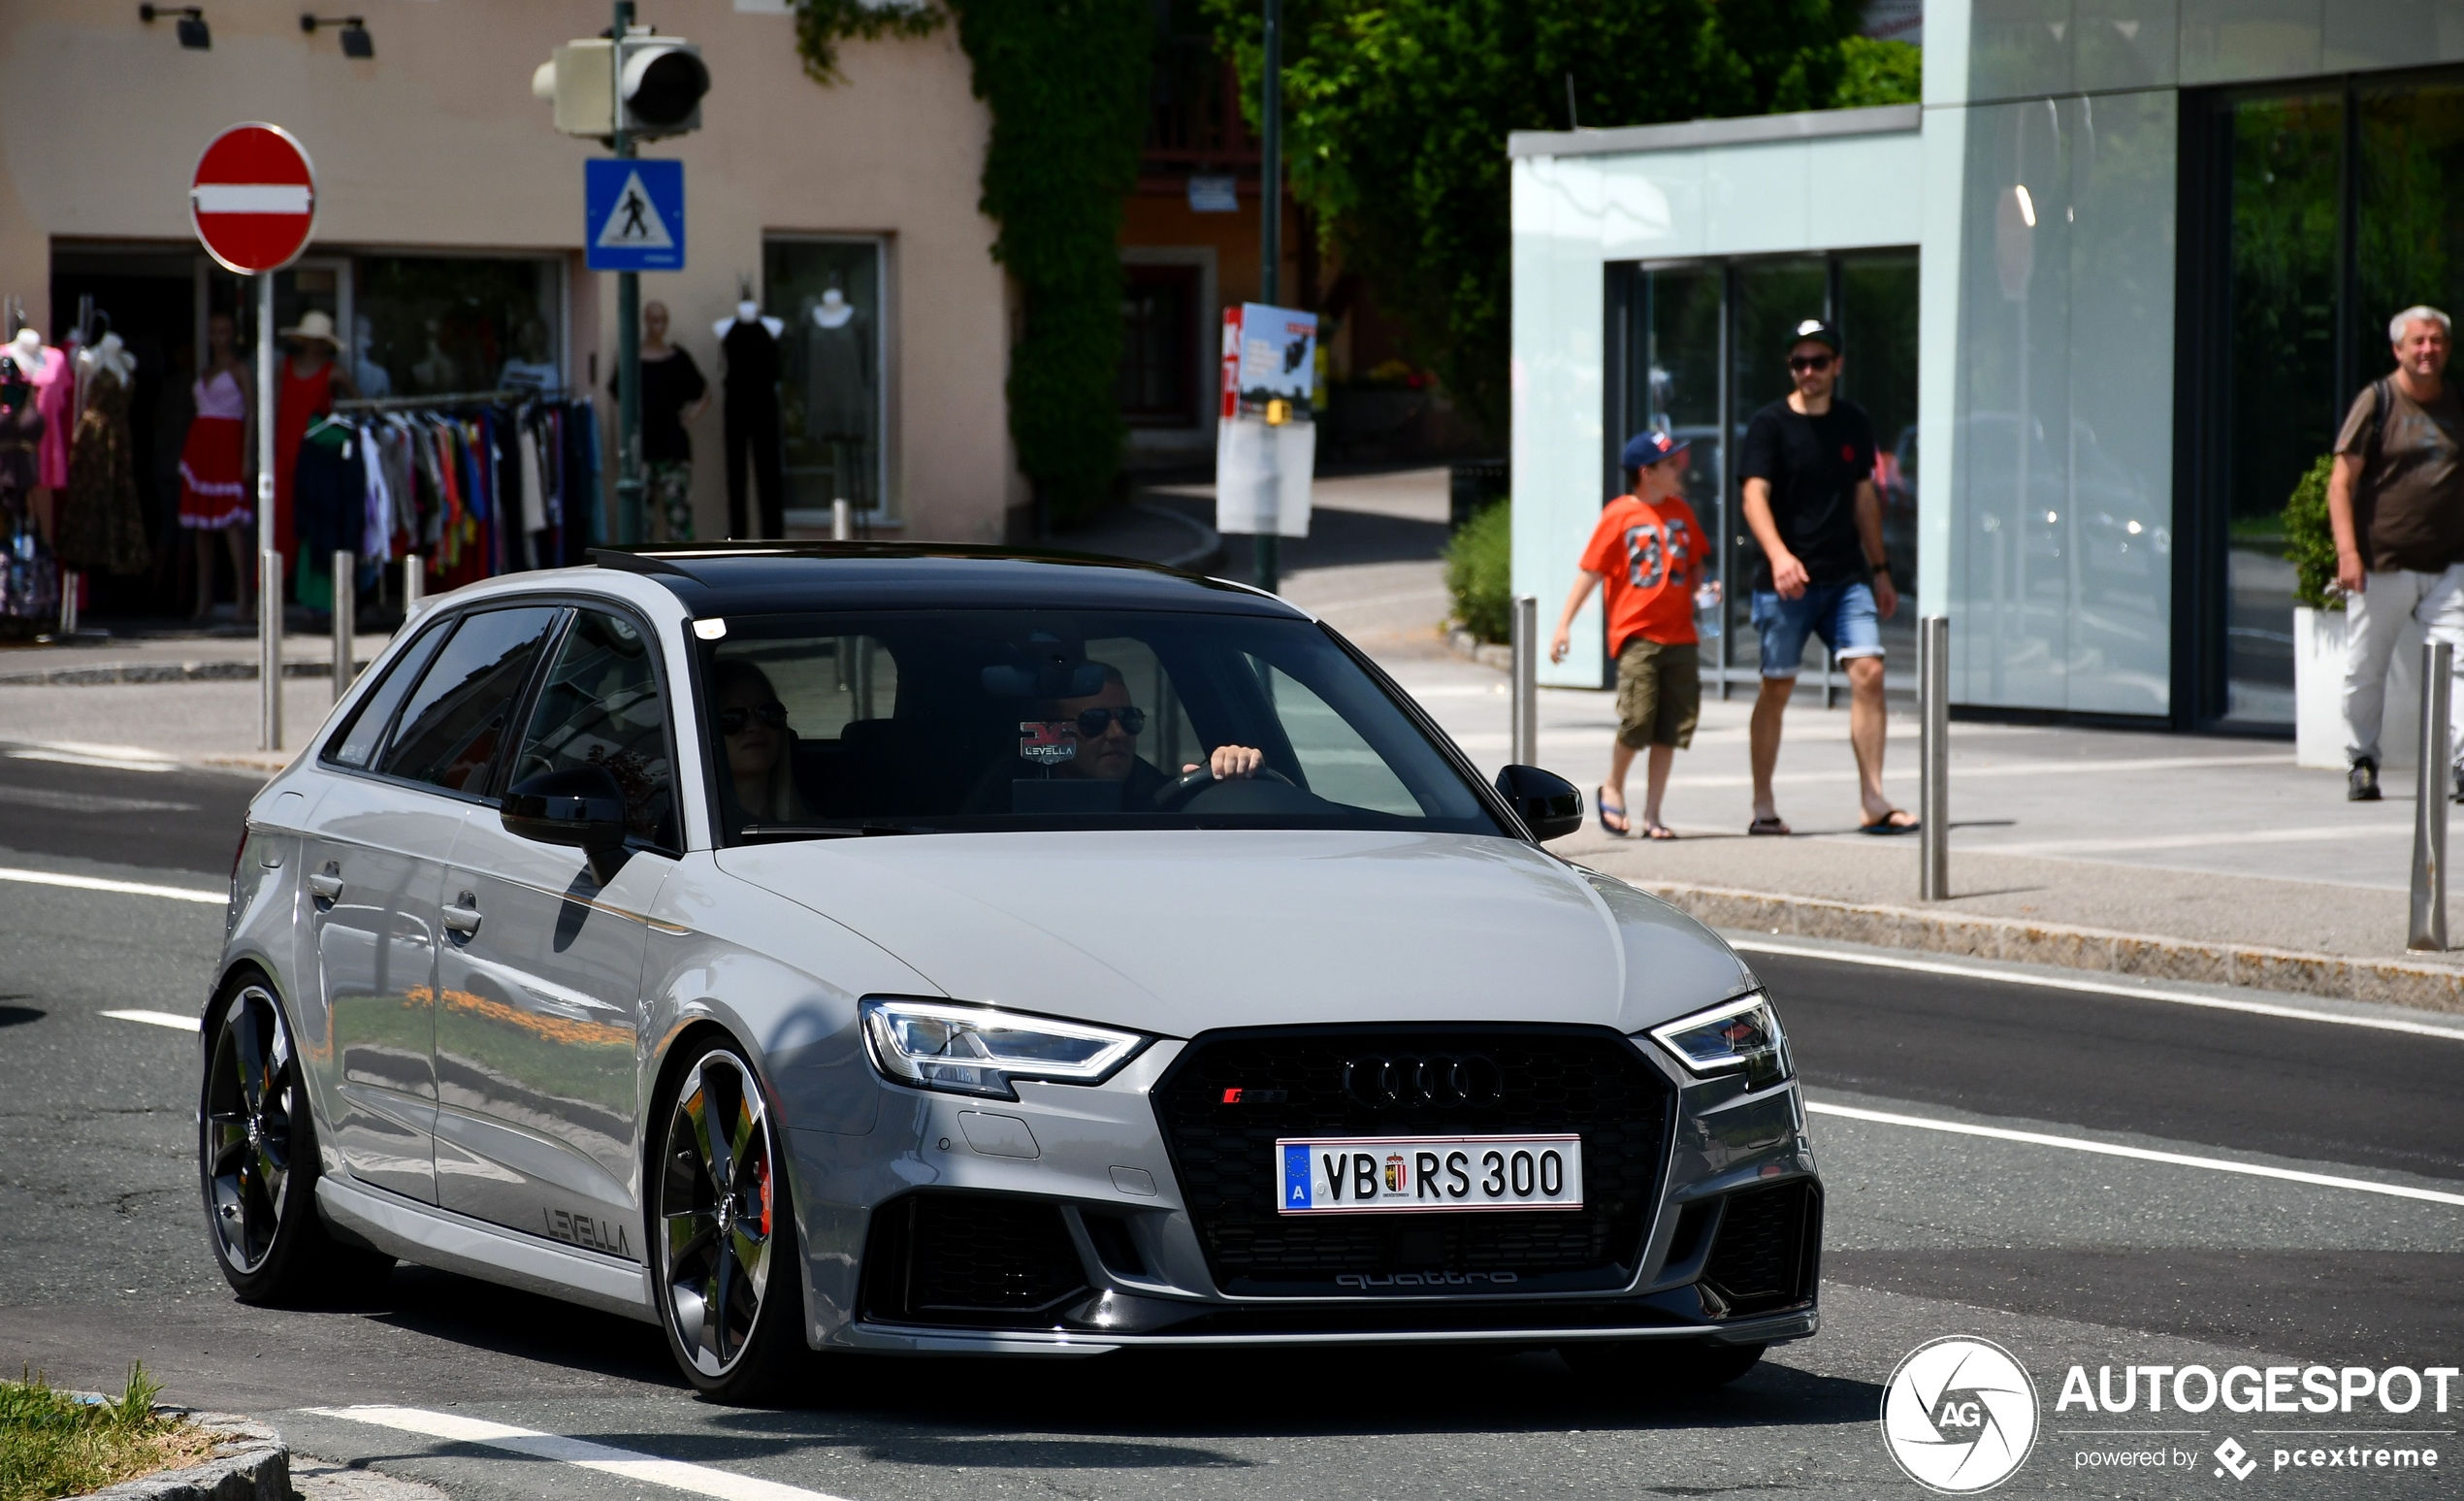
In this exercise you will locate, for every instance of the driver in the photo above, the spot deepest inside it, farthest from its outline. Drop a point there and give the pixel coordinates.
(1107, 726)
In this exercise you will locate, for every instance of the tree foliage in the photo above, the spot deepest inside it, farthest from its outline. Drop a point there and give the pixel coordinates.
(1397, 113)
(1066, 82)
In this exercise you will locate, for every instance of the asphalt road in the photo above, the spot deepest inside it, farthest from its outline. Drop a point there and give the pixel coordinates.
(2064, 1255)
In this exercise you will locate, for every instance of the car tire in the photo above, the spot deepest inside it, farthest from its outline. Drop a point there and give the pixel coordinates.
(726, 1265)
(1659, 1368)
(257, 1162)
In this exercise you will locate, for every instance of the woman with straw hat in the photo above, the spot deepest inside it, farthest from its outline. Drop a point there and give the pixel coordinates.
(310, 375)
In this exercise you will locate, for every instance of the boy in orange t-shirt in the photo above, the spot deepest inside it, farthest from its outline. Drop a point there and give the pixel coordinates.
(1647, 549)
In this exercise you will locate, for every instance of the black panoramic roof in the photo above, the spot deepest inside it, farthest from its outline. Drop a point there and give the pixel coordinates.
(760, 578)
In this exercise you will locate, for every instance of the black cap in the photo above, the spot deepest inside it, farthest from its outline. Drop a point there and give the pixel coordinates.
(1816, 330)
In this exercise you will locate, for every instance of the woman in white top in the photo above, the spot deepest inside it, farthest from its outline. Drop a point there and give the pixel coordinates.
(213, 466)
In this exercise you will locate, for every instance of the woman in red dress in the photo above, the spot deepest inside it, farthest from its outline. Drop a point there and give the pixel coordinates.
(215, 463)
(309, 379)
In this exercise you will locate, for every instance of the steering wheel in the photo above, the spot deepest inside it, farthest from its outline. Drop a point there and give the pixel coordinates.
(1189, 784)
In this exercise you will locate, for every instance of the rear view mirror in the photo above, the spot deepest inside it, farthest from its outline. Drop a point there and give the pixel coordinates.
(1550, 805)
(580, 807)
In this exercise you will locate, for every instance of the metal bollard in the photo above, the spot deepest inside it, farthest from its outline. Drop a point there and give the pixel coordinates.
(270, 649)
(345, 619)
(414, 585)
(71, 584)
(1933, 787)
(2429, 804)
(1524, 687)
(842, 521)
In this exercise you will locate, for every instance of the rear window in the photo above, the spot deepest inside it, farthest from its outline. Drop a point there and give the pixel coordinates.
(944, 720)
(355, 744)
(453, 727)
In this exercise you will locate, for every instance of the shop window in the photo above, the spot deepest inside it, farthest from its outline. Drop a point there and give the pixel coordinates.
(1159, 346)
(829, 293)
(426, 325)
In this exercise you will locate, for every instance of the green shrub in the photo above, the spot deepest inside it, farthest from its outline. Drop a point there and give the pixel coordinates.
(2309, 543)
(1479, 572)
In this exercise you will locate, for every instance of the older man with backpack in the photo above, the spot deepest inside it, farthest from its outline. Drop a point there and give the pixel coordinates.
(2395, 500)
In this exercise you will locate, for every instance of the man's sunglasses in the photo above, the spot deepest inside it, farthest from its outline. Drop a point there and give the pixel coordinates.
(1800, 363)
(733, 721)
(1092, 724)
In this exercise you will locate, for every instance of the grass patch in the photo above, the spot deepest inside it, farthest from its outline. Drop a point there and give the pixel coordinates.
(1479, 572)
(54, 1444)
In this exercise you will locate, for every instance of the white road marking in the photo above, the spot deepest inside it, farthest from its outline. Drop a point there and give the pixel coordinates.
(1755, 945)
(2165, 841)
(2137, 1153)
(68, 756)
(697, 1478)
(93, 883)
(185, 1023)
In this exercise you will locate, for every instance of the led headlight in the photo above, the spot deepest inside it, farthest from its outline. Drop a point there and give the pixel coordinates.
(977, 1050)
(1743, 1033)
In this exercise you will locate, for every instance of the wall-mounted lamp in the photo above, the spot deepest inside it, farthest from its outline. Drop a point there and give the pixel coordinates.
(356, 42)
(193, 32)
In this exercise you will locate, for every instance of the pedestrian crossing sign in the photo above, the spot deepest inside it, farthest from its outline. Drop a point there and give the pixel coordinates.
(633, 215)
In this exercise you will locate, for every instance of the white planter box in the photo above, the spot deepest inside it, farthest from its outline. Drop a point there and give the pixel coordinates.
(2318, 689)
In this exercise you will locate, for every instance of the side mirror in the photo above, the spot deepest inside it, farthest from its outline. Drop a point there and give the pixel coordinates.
(581, 806)
(1551, 805)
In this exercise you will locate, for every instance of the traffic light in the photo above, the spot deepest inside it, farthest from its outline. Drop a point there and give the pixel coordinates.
(657, 80)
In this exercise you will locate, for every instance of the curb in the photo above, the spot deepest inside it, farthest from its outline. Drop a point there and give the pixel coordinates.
(251, 1464)
(161, 673)
(1462, 644)
(2422, 986)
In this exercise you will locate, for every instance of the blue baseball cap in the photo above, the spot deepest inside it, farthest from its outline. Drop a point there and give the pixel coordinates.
(1644, 449)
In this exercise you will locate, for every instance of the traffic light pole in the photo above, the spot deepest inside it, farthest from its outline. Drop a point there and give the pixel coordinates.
(629, 526)
(1268, 545)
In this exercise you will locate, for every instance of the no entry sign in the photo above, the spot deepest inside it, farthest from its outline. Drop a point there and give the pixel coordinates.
(253, 199)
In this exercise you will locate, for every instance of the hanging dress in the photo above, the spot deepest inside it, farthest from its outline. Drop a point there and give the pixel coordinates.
(213, 487)
(103, 528)
(55, 397)
(305, 399)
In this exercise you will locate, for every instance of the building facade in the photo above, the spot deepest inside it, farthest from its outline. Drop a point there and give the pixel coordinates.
(2121, 271)
(450, 225)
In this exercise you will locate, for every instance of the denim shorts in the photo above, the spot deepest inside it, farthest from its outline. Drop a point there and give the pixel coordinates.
(1843, 615)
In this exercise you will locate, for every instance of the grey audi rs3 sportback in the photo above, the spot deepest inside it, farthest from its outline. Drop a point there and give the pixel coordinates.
(868, 948)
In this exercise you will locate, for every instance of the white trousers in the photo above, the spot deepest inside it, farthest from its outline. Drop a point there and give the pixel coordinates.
(2374, 621)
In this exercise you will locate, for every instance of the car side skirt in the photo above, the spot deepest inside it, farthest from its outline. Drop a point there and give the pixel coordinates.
(1797, 1324)
(455, 1243)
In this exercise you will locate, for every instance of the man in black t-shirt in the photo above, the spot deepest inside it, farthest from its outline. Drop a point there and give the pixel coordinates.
(1807, 464)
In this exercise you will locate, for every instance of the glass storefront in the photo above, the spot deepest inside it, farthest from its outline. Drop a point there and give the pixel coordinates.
(425, 325)
(1704, 348)
(828, 292)
(2334, 207)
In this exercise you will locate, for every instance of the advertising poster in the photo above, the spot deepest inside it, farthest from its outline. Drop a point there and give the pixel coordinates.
(1266, 434)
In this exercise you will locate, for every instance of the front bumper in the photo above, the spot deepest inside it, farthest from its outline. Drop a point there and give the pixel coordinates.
(1125, 1262)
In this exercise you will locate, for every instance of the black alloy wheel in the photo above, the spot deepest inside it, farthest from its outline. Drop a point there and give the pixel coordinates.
(730, 1293)
(257, 1163)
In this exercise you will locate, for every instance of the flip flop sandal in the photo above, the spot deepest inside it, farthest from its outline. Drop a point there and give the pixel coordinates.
(1600, 806)
(1658, 831)
(1884, 826)
(1769, 826)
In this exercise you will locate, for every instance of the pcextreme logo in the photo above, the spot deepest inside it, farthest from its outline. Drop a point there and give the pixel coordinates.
(1960, 1415)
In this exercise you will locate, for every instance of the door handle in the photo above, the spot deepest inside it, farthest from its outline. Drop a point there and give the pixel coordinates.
(464, 918)
(325, 885)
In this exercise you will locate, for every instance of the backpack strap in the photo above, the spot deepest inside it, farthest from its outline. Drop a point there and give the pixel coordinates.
(2379, 395)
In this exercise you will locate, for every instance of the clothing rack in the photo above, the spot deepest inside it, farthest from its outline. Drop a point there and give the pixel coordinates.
(507, 395)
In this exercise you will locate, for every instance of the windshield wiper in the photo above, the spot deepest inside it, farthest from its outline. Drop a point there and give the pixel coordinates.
(755, 833)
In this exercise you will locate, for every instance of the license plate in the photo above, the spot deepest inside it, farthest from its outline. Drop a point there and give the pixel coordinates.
(1351, 1175)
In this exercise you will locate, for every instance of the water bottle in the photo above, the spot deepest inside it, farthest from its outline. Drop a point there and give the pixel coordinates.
(1707, 609)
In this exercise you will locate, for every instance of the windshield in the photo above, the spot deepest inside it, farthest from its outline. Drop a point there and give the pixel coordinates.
(921, 721)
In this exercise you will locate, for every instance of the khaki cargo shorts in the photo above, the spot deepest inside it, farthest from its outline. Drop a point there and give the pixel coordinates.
(1659, 694)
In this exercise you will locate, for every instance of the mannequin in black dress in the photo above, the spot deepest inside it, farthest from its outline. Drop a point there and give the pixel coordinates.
(751, 344)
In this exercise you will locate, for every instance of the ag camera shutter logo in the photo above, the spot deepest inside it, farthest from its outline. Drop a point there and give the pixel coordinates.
(1959, 1416)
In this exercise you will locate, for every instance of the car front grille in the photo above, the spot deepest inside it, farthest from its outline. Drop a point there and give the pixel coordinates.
(1291, 1082)
(1764, 1254)
(972, 1258)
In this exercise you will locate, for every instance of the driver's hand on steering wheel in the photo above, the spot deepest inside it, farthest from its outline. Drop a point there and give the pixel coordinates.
(1232, 762)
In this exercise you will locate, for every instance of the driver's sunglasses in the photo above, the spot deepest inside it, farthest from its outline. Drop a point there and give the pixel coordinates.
(733, 721)
(1817, 363)
(1092, 724)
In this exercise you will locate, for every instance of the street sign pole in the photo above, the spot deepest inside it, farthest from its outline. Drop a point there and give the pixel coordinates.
(630, 525)
(1267, 544)
(268, 547)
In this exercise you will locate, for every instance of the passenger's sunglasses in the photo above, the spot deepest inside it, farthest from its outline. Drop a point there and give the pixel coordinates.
(1800, 363)
(1092, 723)
(733, 721)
